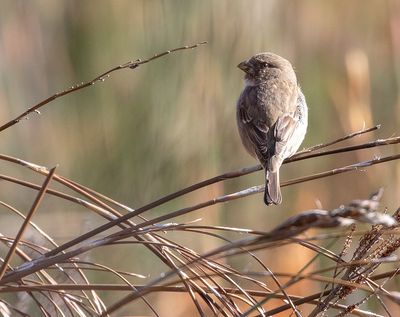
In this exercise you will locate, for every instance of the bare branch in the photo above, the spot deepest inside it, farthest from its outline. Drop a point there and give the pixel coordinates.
(21, 231)
(99, 78)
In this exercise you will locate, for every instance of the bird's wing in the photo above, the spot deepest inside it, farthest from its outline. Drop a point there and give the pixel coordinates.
(256, 130)
(284, 135)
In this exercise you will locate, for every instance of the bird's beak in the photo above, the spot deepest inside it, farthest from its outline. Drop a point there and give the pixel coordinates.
(244, 66)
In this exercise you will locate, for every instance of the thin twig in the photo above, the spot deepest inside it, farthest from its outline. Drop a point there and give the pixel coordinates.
(381, 142)
(24, 225)
(99, 78)
(346, 137)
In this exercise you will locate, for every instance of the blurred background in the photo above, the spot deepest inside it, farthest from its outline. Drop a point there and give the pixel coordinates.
(147, 132)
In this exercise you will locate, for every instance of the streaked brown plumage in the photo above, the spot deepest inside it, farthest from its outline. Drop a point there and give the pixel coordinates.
(271, 116)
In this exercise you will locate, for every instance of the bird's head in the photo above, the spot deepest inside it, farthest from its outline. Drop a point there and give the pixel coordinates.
(265, 66)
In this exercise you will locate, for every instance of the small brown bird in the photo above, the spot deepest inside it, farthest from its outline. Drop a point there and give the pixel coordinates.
(271, 116)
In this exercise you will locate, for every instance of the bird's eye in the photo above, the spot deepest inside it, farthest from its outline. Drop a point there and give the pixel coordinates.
(269, 65)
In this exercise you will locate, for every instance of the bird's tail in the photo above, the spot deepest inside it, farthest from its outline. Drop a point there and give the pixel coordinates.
(272, 194)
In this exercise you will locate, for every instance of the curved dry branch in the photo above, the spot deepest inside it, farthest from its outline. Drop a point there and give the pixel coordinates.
(100, 78)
